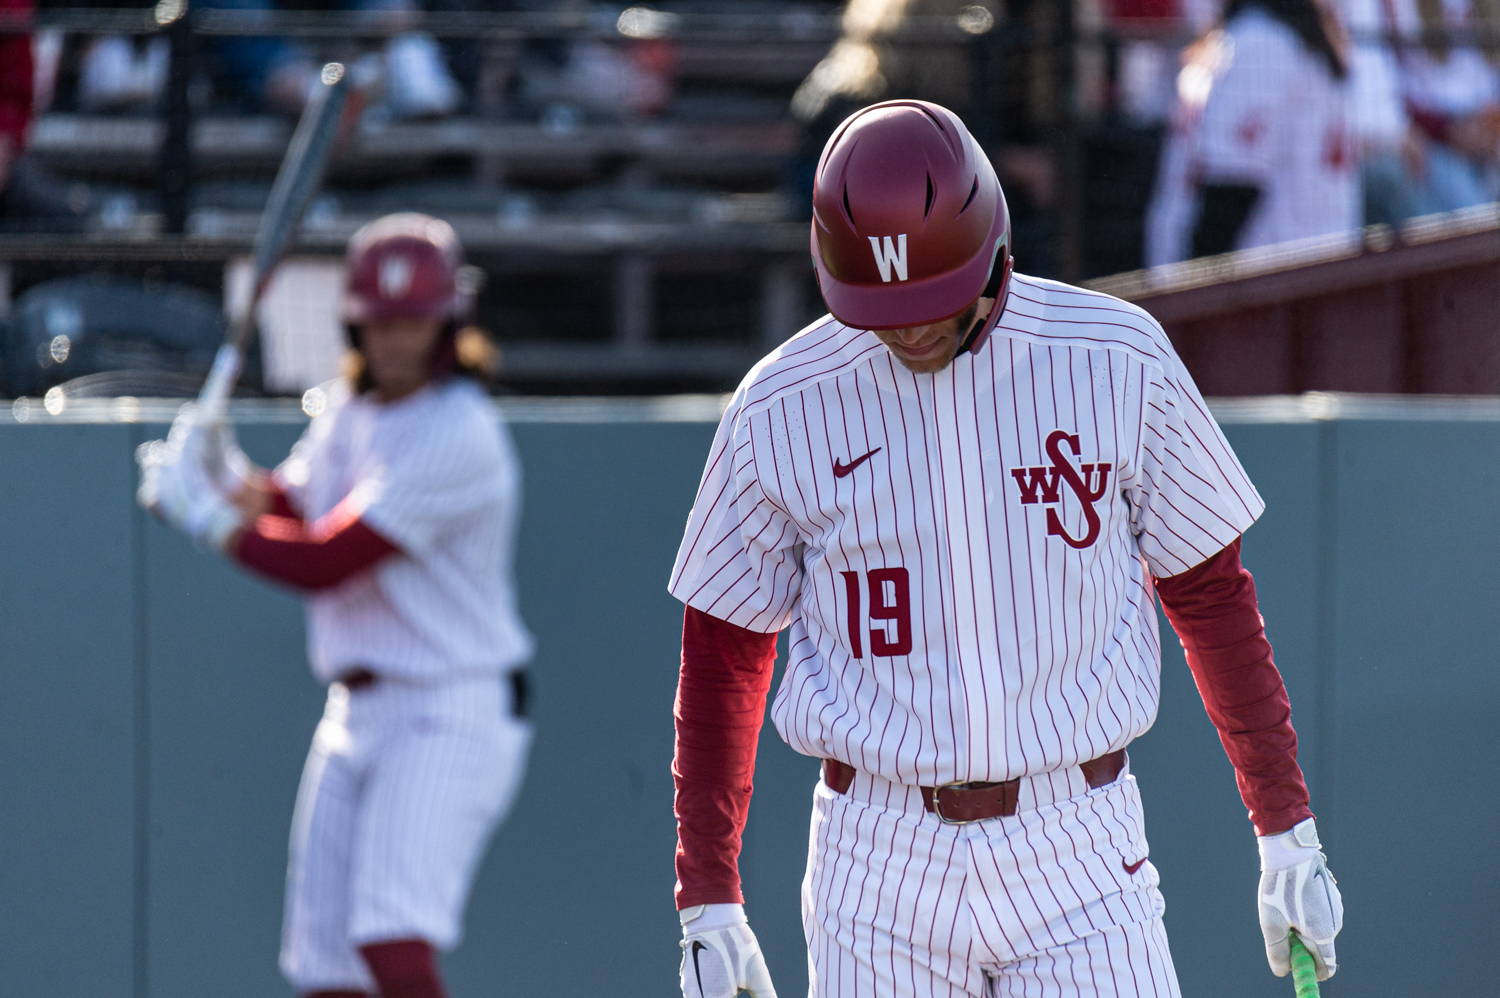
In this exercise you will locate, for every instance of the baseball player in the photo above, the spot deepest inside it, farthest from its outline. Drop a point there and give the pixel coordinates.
(1259, 150)
(396, 514)
(959, 490)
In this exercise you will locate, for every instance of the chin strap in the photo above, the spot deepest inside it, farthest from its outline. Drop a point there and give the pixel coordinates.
(995, 290)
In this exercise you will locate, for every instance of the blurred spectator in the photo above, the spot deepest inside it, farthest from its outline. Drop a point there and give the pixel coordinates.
(871, 63)
(1259, 151)
(29, 198)
(409, 76)
(464, 57)
(563, 82)
(1001, 91)
(1174, 201)
(118, 73)
(17, 74)
(1427, 107)
(278, 74)
(1148, 56)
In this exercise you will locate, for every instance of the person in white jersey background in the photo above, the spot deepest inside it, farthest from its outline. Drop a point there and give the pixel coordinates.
(959, 491)
(1427, 102)
(396, 514)
(1260, 148)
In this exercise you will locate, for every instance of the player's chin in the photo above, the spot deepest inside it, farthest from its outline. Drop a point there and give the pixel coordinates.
(927, 361)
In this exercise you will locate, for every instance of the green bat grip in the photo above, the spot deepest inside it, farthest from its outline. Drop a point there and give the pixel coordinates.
(1304, 970)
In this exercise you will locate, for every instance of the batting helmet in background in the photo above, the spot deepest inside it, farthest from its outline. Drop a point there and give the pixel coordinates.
(909, 223)
(406, 266)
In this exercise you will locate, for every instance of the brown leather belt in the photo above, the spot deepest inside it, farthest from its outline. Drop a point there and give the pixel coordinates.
(520, 687)
(958, 803)
(357, 679)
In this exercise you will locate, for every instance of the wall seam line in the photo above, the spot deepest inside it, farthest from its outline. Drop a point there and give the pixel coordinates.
(1327, 647)
(141, 774)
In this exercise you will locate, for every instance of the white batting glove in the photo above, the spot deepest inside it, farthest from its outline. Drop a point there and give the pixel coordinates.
(224, 463)
(720, 955)
(212, 445)
(175, 488)
(1298, 893)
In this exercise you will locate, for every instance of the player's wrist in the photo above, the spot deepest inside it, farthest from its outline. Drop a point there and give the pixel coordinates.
(237, 474)
(254, 498)
(215, 523)
(707, 917)
(1290, 848)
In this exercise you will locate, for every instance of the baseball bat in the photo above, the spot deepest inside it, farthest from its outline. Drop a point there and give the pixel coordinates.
(299, 177)
(1304, 970)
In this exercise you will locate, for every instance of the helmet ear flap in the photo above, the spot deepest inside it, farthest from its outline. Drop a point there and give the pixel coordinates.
(995, 288)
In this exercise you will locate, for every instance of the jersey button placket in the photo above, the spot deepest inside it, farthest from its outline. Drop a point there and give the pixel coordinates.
(963, 576)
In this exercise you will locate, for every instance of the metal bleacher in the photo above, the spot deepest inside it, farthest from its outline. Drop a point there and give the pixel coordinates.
(701, 225)
(606, 241)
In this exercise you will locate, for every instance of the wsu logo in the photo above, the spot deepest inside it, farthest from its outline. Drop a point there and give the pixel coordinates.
(1048, 481)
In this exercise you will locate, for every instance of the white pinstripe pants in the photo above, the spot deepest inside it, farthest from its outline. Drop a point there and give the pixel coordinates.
(402, 788)
(1044, 903)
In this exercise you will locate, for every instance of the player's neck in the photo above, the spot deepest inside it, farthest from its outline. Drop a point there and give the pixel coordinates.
(388, 393)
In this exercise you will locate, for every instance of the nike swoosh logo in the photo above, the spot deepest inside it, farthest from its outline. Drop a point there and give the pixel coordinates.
(840, 470)
(698, 947)
(1130, 868)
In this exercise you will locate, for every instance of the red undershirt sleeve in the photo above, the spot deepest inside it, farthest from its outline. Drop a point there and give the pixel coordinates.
(721, 701)
(311, 556)
(1212, 608)
(280, 504)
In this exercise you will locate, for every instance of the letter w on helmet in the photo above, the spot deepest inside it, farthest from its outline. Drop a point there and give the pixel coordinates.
(894, 256)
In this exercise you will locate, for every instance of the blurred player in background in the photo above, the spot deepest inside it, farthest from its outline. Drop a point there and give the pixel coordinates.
(1260, 149)
(396, 514)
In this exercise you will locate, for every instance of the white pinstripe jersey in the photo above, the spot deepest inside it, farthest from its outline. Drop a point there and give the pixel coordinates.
(435, 474)
(1257, 107)
(962, 556)
(1276, 119)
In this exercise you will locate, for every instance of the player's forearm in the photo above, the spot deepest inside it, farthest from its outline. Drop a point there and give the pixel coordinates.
(273, 495)
(1213, 609)
(258, 495)
(721, 698)
(310, 557)
(280, 505)
(1221, 218)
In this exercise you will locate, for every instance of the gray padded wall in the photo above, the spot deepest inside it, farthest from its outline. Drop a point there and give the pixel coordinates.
(1201, 841)
(1376, 570)
(1416, 640)
(67, 712)
(576, 895)
(233, 707)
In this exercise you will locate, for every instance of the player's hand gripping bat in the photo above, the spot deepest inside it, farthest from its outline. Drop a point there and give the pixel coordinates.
(1304, 970)
(300, 176)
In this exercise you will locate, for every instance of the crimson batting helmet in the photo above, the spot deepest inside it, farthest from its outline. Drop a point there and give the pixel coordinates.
(405, 266)
(909, 223)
